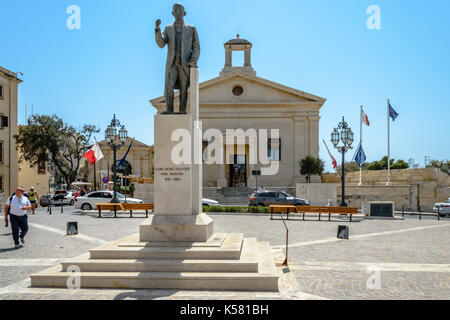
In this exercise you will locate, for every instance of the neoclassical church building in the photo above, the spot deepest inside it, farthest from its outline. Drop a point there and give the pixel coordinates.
(238, 99)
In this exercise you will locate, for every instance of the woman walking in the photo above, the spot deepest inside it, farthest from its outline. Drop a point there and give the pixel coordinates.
(34, 197)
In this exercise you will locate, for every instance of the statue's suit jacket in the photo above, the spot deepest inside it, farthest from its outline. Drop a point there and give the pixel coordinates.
(190, 46)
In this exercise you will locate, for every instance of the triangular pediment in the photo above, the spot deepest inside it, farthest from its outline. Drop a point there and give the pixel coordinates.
(255, 91)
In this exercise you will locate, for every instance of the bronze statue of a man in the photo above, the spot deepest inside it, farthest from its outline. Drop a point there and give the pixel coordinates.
(182, 54)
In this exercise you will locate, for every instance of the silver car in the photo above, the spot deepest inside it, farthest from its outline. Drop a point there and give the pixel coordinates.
(209, 202)
(442, 207)
(56, 200)
(89, 201)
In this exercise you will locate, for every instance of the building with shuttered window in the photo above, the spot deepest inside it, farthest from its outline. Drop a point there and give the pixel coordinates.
(9, 83)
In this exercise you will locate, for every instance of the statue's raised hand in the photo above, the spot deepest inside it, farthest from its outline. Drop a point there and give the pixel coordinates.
(158, 22)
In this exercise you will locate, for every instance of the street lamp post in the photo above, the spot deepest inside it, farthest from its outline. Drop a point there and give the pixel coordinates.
(110, 135)
(346, 136)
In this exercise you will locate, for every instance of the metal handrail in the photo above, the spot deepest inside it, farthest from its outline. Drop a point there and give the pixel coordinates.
(285, 263)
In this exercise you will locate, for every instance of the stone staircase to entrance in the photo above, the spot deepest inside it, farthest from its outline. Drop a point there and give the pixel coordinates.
(240, 195)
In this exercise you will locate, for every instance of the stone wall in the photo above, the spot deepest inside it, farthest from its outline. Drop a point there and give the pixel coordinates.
(410, 187)
(407, 196)
(399, 176)
(318, 193)
(143, 192)
(355, 196)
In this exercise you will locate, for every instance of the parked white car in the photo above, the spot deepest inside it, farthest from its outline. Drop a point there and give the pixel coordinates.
(442, 207)
(71, 197)
(88, 201)
(209, 202)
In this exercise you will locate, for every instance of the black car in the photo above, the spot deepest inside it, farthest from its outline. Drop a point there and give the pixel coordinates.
(267, 198)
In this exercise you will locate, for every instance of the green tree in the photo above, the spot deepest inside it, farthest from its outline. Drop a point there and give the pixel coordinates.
(309, 166)
(383, 164)
(400, 164)
(444, 166)
(352, 166)
(49, 139)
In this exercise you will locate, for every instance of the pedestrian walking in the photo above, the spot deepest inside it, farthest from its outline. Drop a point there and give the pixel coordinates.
(33, 197)
(16, 208)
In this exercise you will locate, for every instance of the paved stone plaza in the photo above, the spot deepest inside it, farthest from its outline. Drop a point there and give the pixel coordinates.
(410, 257)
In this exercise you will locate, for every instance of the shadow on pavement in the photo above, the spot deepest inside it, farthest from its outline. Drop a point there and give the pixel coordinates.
(8, 249)
(145, 294)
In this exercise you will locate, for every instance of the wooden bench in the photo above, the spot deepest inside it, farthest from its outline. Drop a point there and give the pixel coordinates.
(108, 206)
(312, 209)
(124, 207)
(138, 206)
(282, 209)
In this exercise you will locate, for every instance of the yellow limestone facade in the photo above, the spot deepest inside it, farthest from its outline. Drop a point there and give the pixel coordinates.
(37, 176)
(140, 159)
(9, 83)
(238, 99)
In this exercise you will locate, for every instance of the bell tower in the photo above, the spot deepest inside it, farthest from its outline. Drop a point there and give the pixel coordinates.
(238, 44)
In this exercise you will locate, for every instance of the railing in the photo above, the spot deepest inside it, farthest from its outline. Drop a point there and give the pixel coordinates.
(51, 202)
(420, 213)
(285, 263)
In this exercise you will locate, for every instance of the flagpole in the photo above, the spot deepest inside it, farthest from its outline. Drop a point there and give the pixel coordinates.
(95, 179)
(360, 143)
(389, 147)
(95, 175)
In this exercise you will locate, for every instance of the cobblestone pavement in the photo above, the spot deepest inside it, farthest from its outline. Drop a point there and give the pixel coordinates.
(383, 259)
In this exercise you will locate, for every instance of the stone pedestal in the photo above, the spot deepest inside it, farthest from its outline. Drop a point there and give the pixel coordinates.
(178, 178)
(172, 181)
(179, 228)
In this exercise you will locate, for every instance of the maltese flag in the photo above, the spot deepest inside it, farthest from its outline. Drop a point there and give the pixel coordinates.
(364, 117)
(333, 160)
(94, 154)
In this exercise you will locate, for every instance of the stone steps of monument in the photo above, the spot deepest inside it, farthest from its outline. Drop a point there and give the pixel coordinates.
(230, 249)
(266, 279)
(247, 262)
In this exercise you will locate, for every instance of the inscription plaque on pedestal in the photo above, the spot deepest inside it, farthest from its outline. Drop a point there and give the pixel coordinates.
(172, 181)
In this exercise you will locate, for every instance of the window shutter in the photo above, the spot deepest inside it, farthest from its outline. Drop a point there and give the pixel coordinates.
(4, 121)
(42, 167)
(279, 148)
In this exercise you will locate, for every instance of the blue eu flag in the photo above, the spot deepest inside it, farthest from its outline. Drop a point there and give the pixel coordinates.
(122, 161)
(360, 156)
(392, 113)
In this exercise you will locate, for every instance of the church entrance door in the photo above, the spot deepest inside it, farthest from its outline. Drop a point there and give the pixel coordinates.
(238, 171)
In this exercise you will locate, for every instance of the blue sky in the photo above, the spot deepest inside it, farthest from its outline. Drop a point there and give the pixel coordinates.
(112, 64)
